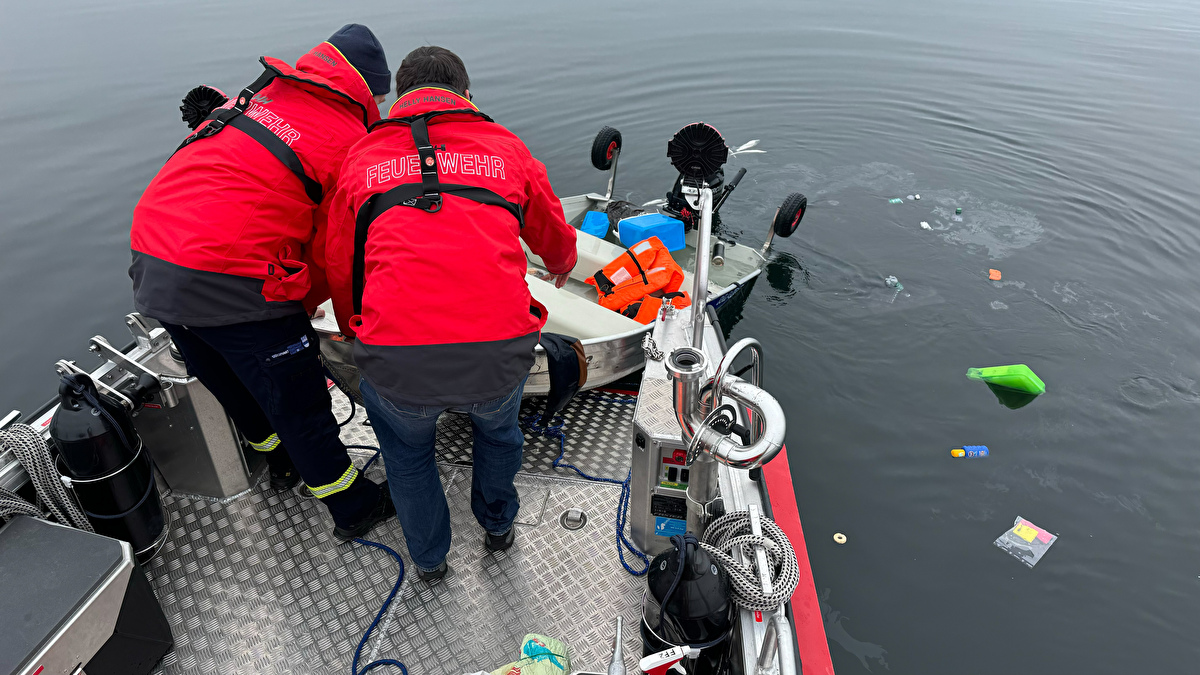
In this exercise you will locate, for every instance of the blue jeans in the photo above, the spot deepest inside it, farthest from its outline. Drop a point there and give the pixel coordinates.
(406, 438)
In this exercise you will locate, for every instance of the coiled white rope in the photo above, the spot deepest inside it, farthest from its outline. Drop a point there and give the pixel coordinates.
(11, 505)
(31, 451)
(731, 532)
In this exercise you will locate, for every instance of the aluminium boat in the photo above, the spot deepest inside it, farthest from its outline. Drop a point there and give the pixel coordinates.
(612, 342)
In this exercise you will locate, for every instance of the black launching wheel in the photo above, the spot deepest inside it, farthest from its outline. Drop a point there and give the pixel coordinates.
(788, 217)
(697, 151)
(605, 147)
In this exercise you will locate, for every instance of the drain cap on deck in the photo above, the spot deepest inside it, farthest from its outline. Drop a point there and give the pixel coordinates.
(573, 519)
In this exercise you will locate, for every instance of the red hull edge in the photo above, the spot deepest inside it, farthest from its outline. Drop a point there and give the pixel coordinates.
(806, 611)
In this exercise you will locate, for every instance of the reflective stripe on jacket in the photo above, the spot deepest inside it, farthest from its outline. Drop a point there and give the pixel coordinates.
(447, 317)
(635, 283)
(225, 233)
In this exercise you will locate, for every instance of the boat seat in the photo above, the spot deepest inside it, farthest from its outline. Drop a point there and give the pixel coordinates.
(570, 314)
(594, 253)
(577, 316)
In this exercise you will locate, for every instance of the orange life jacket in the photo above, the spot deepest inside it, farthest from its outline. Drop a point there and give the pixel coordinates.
(645, 310)
(635, 283)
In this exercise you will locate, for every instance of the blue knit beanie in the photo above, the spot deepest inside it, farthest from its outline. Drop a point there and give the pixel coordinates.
(358, 44)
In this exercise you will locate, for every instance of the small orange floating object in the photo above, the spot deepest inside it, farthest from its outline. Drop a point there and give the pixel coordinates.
(994, 275)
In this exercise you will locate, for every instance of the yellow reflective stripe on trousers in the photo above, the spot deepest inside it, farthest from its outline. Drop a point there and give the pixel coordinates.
(321, 491)
(268, 445)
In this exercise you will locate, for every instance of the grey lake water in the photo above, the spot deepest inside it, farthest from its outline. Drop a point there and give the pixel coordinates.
(1068, 132)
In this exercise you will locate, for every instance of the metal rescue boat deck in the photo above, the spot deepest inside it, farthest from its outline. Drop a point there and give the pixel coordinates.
(252, 580)
(258, 584)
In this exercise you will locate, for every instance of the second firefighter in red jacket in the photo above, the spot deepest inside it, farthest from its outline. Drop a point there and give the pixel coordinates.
(426, 269)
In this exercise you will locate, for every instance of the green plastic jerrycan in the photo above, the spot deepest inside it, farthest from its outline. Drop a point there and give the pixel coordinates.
(1018, 377)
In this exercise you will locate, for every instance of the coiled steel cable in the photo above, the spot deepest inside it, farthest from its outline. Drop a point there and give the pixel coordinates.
(731, 532)
(32, 452)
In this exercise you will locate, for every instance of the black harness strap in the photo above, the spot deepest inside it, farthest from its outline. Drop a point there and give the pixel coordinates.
(639, 266)
(603, 283)
(282, 151)
(426, 195)
(233, 117)
(427, 157)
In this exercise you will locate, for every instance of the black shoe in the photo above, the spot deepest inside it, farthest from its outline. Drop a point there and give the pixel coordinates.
(284, 480)
(383, 510)
(434, 574)
(500, 542)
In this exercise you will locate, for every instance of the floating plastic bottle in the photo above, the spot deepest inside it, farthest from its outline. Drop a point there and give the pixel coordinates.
(1014, 386)
(970, 451)
(1017, 377)
(893, 282)
(895, 200)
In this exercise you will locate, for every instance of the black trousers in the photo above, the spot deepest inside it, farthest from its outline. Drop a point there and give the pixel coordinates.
(268, 376)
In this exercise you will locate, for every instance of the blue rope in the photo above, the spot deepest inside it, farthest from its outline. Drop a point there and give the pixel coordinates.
(369, 461)
(554, 431)
(382, 610)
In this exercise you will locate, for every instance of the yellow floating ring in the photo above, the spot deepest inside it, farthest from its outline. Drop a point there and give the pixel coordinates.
(839, 538)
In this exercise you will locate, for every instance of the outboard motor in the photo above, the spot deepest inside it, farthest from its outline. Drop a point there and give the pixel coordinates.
(689, 604)
(698, 152)
(101, 458)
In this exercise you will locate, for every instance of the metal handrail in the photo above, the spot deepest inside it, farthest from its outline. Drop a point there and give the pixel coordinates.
(777, 642)
(730, 452)
(700, 276)
(758, 366)
(612, 176)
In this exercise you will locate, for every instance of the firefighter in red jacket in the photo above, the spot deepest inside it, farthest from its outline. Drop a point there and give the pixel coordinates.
(228, 254)
(426, 268)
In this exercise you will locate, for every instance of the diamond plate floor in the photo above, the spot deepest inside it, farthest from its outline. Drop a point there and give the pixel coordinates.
(257, 584)
(597, 425)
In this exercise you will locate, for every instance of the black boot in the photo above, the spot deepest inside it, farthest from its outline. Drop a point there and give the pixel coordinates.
(284, 475)
(383, 510)
(499, 542)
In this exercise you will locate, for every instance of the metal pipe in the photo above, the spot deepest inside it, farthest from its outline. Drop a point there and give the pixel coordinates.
(785, 642)
(612, 174)
(762, 449)
(758, 365)
(766, 656)
(700, 275)
(756, 354)
(686, 367)
(616, 665)
(770, 235)
(777, 641)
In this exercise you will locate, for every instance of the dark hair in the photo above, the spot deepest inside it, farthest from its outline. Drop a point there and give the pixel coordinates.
(432, 65)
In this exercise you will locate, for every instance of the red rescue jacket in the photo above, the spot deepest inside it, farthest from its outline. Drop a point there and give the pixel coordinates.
(226, 233)
(446, 315)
